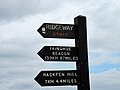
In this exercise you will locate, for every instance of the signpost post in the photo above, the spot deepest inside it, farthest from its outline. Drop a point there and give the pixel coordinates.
(79, 54)
(81, 43)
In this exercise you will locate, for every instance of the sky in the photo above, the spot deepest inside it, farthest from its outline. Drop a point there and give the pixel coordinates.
(20, 41)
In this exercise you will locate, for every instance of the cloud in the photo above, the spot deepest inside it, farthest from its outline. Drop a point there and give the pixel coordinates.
(20, 41)
(105, 32)
(101, 57)
(19, 62)
(15, 9)
(106, 80)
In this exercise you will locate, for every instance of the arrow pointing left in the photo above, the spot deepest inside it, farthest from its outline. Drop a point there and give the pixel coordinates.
(57, 78)
(52, 30)
(59, 53)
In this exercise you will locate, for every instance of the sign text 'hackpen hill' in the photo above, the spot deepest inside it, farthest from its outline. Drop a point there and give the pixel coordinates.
(55, 78)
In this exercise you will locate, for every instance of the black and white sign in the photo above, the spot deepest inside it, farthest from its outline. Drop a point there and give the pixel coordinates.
(55, 78)
(59, 53)
(52, 30)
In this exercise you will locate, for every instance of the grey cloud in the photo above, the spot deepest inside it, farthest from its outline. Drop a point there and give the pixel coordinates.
(106, 80)
(106, 33)
(18, 47)
(22, 84)
(20, 75)
(14, 9)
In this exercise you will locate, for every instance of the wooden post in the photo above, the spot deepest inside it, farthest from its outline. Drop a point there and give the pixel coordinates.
(82, 63)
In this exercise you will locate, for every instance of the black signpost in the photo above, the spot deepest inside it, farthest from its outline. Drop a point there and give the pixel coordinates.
(81, 42)
(59, 53)
(79, 54)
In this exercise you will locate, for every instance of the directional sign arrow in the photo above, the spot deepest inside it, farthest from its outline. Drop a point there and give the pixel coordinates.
(52, 30)
(55, 78)
(59, 53)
